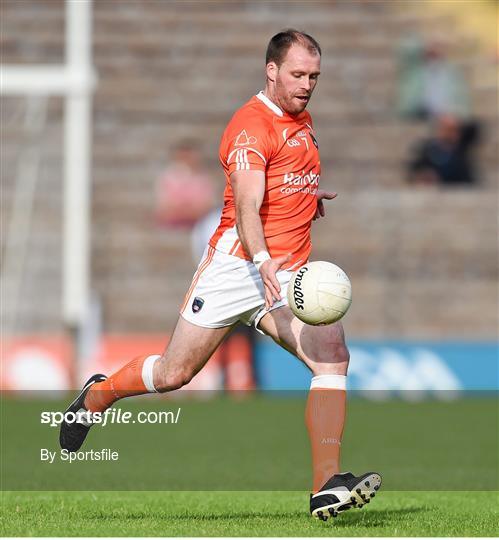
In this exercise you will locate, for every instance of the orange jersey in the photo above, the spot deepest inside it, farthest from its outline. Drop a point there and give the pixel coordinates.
(261, 137)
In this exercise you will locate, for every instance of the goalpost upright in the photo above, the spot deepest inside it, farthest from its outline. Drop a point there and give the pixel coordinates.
(74, 80)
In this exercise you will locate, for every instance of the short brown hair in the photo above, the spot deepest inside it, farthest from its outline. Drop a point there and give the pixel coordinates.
(279, 45)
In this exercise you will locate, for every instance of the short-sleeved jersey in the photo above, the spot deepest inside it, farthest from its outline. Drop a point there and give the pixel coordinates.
(262, 137)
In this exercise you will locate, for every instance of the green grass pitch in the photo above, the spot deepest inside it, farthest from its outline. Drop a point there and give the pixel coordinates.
(241, 467)
(243, 514)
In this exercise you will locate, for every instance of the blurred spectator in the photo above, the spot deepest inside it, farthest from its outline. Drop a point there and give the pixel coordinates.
(429, 83)
(445, 159)
(185, 192)
(203, 231)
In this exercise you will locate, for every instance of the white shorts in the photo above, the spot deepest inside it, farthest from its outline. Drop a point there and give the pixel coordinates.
(226, 289)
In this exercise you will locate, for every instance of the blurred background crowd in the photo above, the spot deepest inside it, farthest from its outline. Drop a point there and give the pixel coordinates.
(406, 118)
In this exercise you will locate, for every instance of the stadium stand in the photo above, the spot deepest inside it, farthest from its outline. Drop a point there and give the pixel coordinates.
(422, 263)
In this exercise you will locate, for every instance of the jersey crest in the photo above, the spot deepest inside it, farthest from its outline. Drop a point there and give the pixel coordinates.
(243, 139)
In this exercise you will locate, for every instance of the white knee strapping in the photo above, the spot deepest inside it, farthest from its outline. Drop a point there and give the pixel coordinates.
(333, 382)
(147, 372)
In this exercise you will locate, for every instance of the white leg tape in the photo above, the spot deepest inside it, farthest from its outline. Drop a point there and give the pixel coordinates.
(147, 372)
(333, 382)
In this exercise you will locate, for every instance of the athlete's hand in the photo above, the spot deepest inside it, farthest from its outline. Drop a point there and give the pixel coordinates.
(271, 284)
(328, 195)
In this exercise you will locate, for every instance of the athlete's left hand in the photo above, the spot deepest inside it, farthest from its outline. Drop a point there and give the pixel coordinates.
(321, 194)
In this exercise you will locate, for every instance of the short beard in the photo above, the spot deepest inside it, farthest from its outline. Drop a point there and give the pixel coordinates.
(279, 87)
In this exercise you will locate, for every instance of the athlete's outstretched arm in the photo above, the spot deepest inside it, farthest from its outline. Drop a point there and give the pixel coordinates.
(249, 189)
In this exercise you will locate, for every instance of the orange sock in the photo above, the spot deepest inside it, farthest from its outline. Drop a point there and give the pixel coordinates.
(132, 379)
(325, 417)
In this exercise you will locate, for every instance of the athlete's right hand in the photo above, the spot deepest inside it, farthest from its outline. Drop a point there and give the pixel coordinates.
(268, 271)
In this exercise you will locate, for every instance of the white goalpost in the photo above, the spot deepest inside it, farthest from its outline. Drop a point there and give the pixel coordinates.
(75, 81)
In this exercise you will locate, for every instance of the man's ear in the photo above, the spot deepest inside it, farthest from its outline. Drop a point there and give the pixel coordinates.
(272, 70)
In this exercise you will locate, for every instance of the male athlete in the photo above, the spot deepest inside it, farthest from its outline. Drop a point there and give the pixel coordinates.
(270, 158)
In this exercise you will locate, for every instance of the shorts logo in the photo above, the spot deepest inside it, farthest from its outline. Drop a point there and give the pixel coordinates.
(197, 304)
(243, 139)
